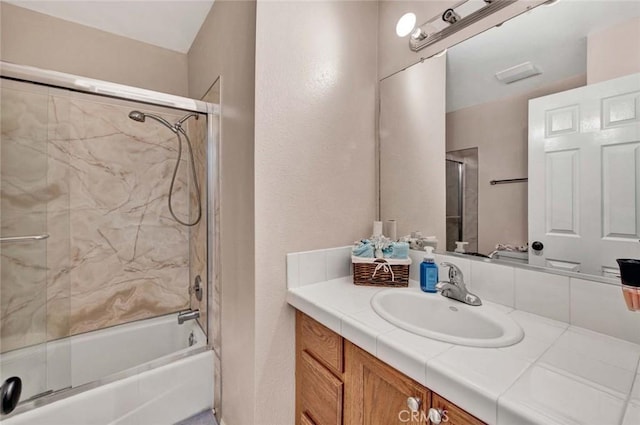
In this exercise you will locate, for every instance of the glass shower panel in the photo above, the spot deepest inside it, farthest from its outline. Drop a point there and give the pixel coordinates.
(97, 192)
(454, 180)
(24, 110)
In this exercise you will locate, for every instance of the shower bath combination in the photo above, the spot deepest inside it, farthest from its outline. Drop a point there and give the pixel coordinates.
(178, 130)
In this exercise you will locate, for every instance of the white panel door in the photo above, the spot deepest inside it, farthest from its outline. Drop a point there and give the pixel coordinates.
(584, 176)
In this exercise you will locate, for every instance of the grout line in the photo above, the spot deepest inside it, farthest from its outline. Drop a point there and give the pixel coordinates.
(627, 403)
(530, 366)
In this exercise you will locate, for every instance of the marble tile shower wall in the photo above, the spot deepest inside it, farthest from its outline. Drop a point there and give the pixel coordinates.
(76, 167)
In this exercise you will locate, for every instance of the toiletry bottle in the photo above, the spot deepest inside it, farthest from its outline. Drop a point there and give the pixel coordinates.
(428, 272)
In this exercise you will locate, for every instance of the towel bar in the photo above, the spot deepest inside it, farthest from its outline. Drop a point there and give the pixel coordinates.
(24, 238)
(505, 181)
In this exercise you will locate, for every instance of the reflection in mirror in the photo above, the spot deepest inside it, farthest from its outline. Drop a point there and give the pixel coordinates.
(545, 110)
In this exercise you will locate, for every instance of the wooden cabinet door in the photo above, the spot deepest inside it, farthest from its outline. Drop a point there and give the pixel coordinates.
(452, 414)
(319, 393)
(376, 394)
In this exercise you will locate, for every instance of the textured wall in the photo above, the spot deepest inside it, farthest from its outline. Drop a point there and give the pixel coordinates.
(502, 154)
(99, 183)
(316, 79)
(36, 39)
(613, 52)
(225, 48)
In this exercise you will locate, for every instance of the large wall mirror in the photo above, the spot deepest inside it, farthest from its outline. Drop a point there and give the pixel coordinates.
(536, 140)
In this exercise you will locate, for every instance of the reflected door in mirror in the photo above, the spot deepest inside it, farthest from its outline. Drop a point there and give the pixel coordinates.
(584, 176)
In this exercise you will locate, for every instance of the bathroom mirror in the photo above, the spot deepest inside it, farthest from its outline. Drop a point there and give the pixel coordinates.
(541, 137)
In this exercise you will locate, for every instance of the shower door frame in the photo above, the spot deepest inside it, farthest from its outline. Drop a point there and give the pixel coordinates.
(461, 191)
(29, 74)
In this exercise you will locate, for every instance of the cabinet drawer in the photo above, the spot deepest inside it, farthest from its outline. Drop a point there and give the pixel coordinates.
(321, 342)
(305, 420)
(454, 414)
(320, 393)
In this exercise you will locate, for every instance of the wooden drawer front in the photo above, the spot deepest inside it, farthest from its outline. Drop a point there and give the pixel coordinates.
(305, 420)
(321, 342)
(377, 394)
(320, 393)
(454, 414)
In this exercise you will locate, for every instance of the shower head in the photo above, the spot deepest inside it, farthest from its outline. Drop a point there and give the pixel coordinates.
(141, 117)
(177, 129)
(137, 116)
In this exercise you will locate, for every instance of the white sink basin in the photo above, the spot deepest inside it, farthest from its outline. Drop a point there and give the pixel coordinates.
(437, 317)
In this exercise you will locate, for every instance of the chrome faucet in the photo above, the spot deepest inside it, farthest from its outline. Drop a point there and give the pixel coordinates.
(455, 287)
(183, 316)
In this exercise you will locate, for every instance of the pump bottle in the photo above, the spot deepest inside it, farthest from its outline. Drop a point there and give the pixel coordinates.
(429, 272)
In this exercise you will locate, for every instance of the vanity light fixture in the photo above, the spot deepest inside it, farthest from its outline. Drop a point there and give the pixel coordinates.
(517, 73)
(460, 16)
(406, 24)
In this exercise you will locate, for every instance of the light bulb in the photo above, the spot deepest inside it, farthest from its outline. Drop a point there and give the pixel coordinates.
(406, 24)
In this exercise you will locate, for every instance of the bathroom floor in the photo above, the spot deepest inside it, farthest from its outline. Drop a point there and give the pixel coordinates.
(202, 418)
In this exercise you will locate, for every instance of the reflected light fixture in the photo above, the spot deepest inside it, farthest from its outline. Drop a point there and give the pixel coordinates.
(452, 20)
(405, 24)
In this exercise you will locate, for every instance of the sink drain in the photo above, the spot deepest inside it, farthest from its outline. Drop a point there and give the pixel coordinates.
(452, 308)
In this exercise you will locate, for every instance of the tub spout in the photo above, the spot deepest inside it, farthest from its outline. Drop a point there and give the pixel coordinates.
(183, 316)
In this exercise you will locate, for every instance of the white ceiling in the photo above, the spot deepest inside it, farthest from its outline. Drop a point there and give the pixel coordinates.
(551, 37)
(169, 24)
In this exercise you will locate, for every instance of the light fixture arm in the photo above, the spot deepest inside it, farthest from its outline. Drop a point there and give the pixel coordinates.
(421, 37)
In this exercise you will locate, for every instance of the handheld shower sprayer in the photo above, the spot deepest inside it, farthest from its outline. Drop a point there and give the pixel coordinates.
(177, 129)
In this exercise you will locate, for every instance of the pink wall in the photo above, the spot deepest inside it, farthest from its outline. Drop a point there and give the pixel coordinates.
(36, 39)
(316, 79)
(613, 52)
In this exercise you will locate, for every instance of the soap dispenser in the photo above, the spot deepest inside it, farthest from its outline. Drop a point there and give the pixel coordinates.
(429, 272)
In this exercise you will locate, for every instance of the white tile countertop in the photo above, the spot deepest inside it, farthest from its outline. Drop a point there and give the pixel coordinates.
(558, 374)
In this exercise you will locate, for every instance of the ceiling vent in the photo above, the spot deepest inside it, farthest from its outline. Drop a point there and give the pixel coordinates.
(517, 73)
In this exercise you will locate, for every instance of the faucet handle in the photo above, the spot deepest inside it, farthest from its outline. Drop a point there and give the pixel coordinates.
(454, 271)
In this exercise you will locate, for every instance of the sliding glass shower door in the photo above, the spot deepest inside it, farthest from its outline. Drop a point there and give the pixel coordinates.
(27, 255)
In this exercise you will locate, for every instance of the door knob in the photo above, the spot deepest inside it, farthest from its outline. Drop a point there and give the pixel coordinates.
(537, 246)
(10, 394)
(413, 403)
(436, 416)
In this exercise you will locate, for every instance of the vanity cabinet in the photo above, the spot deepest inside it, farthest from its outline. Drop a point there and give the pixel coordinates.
(319, 373)
(339, 383)
(378, 394)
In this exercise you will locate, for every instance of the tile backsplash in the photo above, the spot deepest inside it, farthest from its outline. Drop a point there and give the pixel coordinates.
(588, 304)
(305, 268)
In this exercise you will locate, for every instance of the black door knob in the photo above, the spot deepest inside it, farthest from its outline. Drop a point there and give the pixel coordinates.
(10, 394)
(537, 246)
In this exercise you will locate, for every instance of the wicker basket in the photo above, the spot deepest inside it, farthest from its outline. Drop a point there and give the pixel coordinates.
(380, 271)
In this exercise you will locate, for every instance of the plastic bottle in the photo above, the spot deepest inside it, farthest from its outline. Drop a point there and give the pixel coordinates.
(428, 272)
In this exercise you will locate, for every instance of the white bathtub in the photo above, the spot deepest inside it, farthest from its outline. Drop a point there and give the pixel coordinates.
(134, 348)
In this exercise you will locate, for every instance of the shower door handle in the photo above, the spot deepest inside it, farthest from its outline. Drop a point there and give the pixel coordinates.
(10, 394)
(24, 238)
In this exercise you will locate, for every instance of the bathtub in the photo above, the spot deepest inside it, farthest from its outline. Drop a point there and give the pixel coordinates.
(128, 374)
